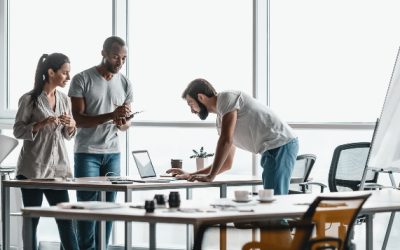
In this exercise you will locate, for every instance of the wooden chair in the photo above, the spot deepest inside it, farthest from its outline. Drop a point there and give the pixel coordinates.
(334, 219)
(271, 236)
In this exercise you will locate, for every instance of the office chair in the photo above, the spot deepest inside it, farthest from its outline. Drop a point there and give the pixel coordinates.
(334, 219)
(302, 169)
(271, 236)
(347, 168)
(7, 145)
(346, 173)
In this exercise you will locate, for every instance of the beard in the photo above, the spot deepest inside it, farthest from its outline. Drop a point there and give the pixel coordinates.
(203, 113)
(111, 68)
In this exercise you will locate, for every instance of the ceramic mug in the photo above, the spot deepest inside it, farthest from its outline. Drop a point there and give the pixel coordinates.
(266, 194)
(242, 195)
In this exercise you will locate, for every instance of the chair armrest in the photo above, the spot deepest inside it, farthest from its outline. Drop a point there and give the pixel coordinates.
(374, 186)
(304, 185)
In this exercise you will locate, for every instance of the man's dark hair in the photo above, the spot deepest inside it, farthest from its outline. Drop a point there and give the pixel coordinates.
(110, 41)
(199, 86)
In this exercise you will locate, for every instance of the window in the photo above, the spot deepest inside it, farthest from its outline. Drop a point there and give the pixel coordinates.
(75, 28)
(173, 42)
(331, 61)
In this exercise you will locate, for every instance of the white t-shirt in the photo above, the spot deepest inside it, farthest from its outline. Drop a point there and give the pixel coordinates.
(258, 128)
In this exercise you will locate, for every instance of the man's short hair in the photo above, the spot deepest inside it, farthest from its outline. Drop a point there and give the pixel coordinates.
(110, 41)
(199, 86)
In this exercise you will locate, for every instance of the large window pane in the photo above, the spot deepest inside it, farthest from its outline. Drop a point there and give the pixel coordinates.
(167, 143)
(331, 61)
(75, 28)
(173, 42)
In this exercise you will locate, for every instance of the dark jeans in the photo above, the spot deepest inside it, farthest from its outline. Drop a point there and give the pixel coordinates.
(92, 165)
(34, 197)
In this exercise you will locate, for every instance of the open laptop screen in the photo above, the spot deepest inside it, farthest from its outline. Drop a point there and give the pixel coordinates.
(143, 163)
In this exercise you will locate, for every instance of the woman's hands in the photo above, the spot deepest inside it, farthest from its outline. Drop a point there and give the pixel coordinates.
(64, 119)
(67, 120)
(45, 122)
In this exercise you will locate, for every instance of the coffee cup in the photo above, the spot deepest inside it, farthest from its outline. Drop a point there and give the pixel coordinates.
(176, 163)
(266, 194)
(242, 195)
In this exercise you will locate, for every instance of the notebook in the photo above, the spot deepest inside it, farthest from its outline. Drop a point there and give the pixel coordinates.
(146, 168)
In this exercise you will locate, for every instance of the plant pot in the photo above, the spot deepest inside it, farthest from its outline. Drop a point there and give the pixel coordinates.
(200, 163)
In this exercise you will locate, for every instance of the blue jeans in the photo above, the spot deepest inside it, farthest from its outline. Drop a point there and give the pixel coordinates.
(278, 165)
(34, 197)
(92, 165)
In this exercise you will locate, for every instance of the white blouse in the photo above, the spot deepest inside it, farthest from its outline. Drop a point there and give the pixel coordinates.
(43, 154)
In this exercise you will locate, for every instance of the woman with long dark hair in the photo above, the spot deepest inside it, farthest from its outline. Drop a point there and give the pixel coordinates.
(43, 120)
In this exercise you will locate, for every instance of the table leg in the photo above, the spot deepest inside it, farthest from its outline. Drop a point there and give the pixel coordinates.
(128, 225)
(196, 228)
(388, 230)
(223, 189)
(189, 233)
(152, 235)
(5, 216)
(222, 230)
(102, 229)
(222, 236)
(369, 232)
(27, 235)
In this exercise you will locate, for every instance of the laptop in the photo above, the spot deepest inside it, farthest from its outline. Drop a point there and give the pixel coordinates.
(146, 168)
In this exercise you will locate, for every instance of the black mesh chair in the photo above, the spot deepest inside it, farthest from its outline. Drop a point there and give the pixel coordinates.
(301, 173)
(346, 173)
(347, 168)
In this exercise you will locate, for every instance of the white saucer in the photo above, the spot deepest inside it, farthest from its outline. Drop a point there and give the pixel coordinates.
(266, 200)
(242, 201)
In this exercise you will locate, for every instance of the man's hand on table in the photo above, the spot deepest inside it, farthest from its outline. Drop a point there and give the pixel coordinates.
(178, 173)
(201, 177)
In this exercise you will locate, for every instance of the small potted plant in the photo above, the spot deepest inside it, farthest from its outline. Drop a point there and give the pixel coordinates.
(201, 157)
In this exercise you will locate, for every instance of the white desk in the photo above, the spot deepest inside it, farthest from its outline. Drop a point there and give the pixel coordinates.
(387, 200)
(102, 185)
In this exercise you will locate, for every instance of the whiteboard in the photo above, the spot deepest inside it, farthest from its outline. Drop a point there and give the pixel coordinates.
(385, 147)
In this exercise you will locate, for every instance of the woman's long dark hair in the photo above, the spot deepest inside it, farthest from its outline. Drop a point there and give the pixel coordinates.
(53, 61)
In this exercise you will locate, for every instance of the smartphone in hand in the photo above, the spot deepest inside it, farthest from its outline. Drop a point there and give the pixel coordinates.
(132, 115)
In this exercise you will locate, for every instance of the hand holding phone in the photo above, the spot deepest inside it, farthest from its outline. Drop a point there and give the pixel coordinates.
(133, 114)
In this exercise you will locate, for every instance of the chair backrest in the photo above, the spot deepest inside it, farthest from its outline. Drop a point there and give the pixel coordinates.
(303, 166)
(7, 145)
(272, 235)
(334, 219)
(302, 169)
(347, 167)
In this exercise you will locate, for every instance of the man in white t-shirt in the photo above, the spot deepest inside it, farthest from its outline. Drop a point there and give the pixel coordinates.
(243, 122)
